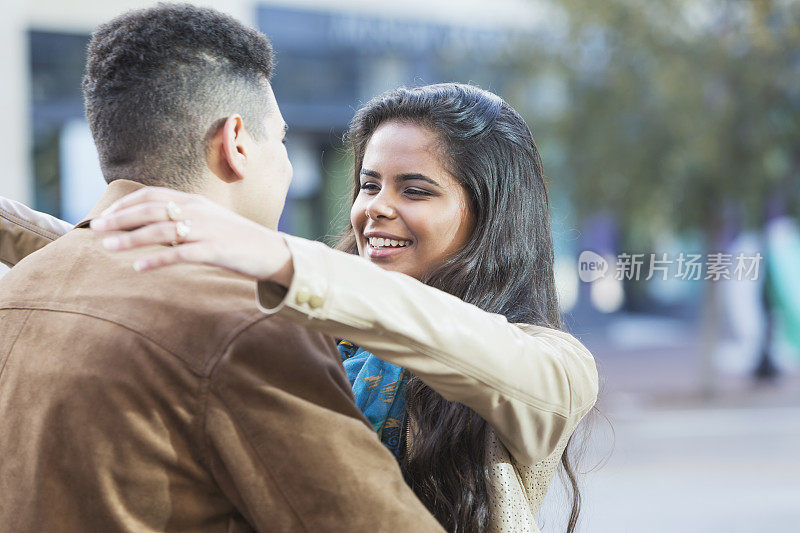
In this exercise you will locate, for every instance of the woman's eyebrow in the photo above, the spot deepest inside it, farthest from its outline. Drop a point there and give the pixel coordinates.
(414, 176)
(370, 173)
(400, 177)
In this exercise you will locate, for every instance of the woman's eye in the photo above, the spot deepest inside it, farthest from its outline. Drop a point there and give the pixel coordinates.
(417, 192)
(372, 187)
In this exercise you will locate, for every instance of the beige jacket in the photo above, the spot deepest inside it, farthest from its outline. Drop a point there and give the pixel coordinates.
(23, 230)
(532, 384)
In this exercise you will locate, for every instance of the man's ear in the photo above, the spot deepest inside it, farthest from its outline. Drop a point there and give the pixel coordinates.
(228, 157)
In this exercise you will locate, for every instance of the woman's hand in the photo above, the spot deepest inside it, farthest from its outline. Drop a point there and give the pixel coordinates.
(199, 231)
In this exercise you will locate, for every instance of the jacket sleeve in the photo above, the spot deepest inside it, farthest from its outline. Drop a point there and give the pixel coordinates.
(532, 384)
(289, 448)
(23, 230)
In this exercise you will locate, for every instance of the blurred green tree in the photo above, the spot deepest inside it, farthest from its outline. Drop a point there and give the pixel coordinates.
(678, 115)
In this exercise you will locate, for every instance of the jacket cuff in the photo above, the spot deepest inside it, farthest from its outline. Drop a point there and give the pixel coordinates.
(309, 292)
(25, 231)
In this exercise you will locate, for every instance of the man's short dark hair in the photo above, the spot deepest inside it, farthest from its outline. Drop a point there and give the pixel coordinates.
(160, 81)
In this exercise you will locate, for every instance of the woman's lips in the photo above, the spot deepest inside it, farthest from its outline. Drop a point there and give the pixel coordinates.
(380, 253)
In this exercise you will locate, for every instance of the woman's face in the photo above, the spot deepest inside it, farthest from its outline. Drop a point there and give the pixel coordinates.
(410, 213)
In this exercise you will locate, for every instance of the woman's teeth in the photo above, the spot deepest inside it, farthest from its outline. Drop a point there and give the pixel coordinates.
(378, 242)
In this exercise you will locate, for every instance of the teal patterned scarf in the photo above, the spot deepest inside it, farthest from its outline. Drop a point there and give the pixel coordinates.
(379, 389)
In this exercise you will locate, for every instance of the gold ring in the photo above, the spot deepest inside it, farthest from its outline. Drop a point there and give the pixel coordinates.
(174, 211)
(182, 229)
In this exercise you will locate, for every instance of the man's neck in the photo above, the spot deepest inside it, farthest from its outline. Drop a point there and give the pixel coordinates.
(218, 192)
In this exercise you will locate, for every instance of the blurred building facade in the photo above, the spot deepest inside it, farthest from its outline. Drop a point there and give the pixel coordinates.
(332, 57)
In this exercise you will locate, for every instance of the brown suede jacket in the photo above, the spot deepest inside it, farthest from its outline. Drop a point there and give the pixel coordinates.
(167, 401)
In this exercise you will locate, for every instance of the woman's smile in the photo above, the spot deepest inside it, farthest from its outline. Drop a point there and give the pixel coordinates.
(380, 245)
(383, 250)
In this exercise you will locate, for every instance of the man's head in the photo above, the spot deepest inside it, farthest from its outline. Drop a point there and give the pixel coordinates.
(179, 96)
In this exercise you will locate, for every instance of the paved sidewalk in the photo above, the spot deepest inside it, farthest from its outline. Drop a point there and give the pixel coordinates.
(727, 470)
(680, 460)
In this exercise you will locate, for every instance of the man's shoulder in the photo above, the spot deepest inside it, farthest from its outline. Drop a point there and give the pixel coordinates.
(194, 311)
(276, 361)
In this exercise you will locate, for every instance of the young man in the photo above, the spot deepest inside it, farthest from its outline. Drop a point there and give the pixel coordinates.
(167, 401)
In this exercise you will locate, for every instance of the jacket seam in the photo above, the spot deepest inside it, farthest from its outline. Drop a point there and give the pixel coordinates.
(207, 377)
(200, 421)
(33, 228)
(206, 445)
(583, 409)
(110, 321)
(267, 469)
(232, 337)
(16, 338)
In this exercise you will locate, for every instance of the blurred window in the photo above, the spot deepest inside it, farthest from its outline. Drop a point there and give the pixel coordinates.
(56, 67)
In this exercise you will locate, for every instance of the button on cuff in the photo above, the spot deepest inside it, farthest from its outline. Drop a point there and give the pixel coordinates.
(309, 291)
(316, 301)
(303, 296)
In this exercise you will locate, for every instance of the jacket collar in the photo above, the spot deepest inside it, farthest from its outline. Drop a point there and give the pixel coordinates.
(115, 190)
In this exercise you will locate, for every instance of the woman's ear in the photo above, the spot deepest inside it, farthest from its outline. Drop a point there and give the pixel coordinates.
(228, 158)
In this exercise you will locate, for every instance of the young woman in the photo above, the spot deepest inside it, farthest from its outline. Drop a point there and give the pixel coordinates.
(476, 390)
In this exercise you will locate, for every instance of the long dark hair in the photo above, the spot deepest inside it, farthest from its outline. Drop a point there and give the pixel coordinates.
(506, 267)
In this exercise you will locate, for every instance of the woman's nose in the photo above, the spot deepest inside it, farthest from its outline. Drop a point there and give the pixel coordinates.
(380, 206)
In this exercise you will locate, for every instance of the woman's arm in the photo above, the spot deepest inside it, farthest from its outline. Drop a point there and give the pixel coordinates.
(23, 230)
(532, 384)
